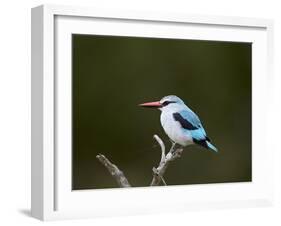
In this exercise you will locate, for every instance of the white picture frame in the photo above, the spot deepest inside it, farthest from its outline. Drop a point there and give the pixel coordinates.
(52, 197)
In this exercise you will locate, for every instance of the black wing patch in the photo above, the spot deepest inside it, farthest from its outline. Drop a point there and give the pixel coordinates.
(184, 122)
(203, 143)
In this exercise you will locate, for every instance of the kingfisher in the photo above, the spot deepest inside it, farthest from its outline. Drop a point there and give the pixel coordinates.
(180, 123)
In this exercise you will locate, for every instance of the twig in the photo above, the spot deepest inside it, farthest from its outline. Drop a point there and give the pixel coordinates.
(162, 146)
(173, 154)
(114, 171)
(163, 181)
(158, 173)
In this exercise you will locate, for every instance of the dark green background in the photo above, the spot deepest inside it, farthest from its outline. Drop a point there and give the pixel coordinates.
(112, 75)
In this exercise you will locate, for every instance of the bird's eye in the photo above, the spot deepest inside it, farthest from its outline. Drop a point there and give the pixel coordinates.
(165, 103)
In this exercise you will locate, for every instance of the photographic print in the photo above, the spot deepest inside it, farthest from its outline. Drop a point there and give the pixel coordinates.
(160, 112)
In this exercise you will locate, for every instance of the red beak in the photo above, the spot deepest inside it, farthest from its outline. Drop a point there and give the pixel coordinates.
(155, 104)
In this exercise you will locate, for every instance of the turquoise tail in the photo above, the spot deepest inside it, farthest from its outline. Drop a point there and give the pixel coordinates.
(210, 146)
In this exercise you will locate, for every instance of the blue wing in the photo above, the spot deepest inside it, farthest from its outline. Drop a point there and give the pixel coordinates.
(190, 121)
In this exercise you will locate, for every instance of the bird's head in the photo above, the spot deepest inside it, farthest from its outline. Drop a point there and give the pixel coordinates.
(166, 102)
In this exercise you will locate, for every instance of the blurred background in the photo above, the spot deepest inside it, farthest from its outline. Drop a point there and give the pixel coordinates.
(112, 75)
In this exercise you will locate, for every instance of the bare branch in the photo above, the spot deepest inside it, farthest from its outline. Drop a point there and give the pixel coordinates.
(158, 173)
(114, 171)
(162, 146)
(173, 154)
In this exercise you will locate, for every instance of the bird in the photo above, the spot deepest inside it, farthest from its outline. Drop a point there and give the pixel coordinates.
(180, 123)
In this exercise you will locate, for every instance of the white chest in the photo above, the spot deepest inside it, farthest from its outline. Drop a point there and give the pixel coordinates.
(174, 130)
